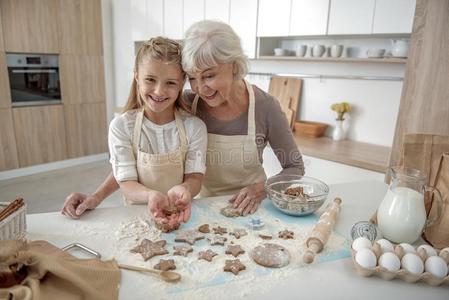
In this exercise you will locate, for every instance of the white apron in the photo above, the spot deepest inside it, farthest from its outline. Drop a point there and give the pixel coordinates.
(232, 161)
(160, 171)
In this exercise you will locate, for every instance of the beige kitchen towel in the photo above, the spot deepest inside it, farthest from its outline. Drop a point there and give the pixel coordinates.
(54, 274)
(438, 233)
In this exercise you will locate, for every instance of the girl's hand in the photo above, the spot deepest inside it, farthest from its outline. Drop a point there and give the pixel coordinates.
(77, 203)
(180, 197)
(248, 200)
(156, 204)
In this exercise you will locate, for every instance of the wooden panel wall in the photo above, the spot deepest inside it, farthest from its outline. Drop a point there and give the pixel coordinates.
(86, 129)
(5, 97)
(8, 148)
(2, 47)
(424, 106)
(30, 25)
(79, 17)
(82, 79)
(40, 134)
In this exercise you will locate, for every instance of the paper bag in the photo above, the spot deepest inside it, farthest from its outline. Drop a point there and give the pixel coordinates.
(438, 233)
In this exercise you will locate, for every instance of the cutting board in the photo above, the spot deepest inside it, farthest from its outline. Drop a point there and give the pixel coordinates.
(287, 91)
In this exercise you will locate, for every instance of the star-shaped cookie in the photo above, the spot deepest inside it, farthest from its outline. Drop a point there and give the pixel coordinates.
(165, 265)
(235, 250)
(219, 230)
(234, 266)
(217, 240)
(188, 236)
(182, 250)
(204, 228)
(286, 234)
(148, 248)
(206, 255)
(238, 233)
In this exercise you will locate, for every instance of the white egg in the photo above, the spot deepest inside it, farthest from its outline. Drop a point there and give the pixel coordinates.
(366, 258)
(407, 248)
(436, 266)
(361, 243)
(412, 263)
(390, 261)
(430, 251)
(385, 245)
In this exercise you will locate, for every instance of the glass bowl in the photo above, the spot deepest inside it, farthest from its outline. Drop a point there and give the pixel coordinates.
(314, 194)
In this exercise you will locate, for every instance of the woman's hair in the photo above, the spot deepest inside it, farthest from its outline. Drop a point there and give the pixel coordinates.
(161, 49)
(208, 43)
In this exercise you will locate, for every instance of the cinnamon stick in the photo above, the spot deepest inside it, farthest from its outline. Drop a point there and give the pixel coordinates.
(11, 208)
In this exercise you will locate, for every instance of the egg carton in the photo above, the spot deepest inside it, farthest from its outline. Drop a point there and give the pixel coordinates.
(14, 226)
(401, 274)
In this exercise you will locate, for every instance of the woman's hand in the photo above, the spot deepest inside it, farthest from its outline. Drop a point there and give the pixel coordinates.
(180, 197)
(247, 201)
(157, 202)
(77, 203)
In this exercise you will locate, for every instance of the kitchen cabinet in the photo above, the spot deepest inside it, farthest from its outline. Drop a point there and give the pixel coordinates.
(77, 18)
(82, 79)
(2, 47)
(273, 18)
(309, 17)
(40, 134)
(173, 12)
(30, 25)
(394, 16)
(146, 19)
(217, 10)
(243, 19)
(351, 16)
(193, 12)
(86, 129)
(8, 148)
(5, 97)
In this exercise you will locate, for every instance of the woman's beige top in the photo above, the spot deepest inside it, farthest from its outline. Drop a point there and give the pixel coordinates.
(271, 127)
(155, 139)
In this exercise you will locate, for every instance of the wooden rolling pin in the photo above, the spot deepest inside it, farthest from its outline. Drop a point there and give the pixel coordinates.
(321, 232)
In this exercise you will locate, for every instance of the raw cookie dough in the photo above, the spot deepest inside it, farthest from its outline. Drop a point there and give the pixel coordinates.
(219, 230)
(270, 255)
(148, 248)
(182, 250)
(286, 234)
(217, 240)
(206, 255)
(296, 192)
(165, 265)
(265, 236)
(235, 250)
(234, 266)
(238, 233)
(230, 212)
(165, 227)
(204, 228)
(188, 236)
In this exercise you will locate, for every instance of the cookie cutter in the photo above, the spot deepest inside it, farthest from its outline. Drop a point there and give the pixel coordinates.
(364, 228)
(256, 223)
(82, 247)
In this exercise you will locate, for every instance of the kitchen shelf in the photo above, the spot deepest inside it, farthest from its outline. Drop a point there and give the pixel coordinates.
(358, 154)
(393, 60)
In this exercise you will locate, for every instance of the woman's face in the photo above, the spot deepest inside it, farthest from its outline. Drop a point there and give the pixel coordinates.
(213, 84)
(159, 84)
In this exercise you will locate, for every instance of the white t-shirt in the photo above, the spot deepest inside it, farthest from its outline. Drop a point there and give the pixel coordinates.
(155, 139)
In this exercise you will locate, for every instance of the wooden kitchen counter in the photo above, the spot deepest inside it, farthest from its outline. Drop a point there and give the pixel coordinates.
(357, 154)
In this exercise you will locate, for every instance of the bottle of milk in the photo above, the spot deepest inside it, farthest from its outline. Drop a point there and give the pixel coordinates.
(401, 215)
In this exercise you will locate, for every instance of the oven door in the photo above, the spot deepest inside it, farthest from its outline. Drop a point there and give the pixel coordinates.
(34, 85)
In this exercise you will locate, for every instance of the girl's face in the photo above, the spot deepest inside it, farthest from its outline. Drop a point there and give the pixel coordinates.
(159, 85)
(213, 85)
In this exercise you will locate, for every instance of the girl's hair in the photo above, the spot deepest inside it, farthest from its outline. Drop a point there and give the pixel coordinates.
(208, 43)
(158, 48)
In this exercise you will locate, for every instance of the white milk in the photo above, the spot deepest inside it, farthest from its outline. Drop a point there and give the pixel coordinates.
(401, 215)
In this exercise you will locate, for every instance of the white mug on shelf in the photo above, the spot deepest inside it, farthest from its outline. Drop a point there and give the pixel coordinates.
(318, 50)
(336, 50)
(301, 50)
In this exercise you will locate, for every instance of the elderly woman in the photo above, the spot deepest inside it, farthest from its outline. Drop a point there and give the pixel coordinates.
(240, 118)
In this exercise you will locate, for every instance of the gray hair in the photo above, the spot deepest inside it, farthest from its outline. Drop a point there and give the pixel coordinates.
(208, 43)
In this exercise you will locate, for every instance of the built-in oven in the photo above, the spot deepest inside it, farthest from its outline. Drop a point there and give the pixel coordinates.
(33, 79)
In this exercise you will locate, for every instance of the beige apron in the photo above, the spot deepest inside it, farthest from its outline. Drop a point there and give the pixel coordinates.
(232, 161)
(160, 171)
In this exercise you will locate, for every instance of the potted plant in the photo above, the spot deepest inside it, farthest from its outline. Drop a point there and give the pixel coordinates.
(340, 109)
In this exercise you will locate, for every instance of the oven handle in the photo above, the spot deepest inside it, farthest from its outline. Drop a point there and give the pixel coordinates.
(34, 71)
